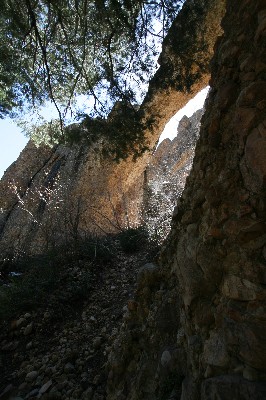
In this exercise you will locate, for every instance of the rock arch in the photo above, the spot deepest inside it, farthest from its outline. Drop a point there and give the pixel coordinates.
(199, 321)
(106, 188)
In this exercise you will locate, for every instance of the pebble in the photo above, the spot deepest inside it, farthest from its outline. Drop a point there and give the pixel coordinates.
(69, 368)
(32, 393)
(28, 329)
(10, 346)
(22, 386)
(96, 380)
(6, 392)
(97, 342)
(45, 387)
(31, 376)
(46, 315)
(19, 322)
(57, 373)
(88, 394)
(165, 358)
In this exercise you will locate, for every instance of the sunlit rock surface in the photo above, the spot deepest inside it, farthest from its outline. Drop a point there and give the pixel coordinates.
(166, 174)
(199, 329)
(77, 183)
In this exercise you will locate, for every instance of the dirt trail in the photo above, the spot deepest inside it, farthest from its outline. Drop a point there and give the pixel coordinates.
(60, 351)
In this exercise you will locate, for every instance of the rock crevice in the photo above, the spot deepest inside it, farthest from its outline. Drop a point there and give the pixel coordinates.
(213, 262)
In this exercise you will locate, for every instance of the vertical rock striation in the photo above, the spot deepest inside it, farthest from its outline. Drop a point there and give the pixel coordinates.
(198, 327)
(166, 174)
(82, 186)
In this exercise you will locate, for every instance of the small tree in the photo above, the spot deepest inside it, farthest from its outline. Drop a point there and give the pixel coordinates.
(57, 49)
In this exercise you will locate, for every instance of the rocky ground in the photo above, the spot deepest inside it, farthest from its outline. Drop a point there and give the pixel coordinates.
(60, 350)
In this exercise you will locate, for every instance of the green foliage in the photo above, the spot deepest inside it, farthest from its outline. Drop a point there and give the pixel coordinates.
(133, 239)
(172, 382)
(30, 290)
(58, 49)
(49, 279)
(43, 132)
(93, 249)
(122, 132)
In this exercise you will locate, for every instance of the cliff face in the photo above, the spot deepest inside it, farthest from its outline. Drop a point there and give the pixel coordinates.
(166, 174)
(72, 190)
(47, 191)
(57, 192)
(197, 328)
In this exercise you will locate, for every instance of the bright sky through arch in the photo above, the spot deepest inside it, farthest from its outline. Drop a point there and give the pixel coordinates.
(193, 105)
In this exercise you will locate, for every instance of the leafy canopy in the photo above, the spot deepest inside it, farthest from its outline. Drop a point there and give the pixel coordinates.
(56, 50)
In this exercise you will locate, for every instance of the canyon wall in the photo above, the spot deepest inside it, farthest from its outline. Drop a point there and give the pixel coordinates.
(166, 174)
(51, 193)
(196, 327)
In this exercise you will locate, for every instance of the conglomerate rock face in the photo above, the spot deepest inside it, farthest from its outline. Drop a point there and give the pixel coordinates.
(166, 174)
(46, 190)
(197, 328)
(49, 194)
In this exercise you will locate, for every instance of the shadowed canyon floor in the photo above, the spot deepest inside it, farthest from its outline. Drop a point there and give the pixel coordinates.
(195, 329)
(59, 350)
(58, 335)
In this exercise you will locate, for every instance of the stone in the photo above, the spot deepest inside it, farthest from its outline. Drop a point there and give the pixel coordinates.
(252, 94)
(132, 306)
(261, 31)
(174, 395)
(215, 352)
(190, 389)
(97, 380)
(31, 376)
(69, 368)
(46, 315)
(22, 386)
(10, 346)
(227, 95)
(232, 387)
(194, 270)
(5, 394)
(165, 358)
(19, 323)
(28, 330)
(250, 374)
(45, 387)
(97, 342)
(88, 394)
(255, 151)
(241, 289)
(33, 393)
(148, 275)
(252, 347)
